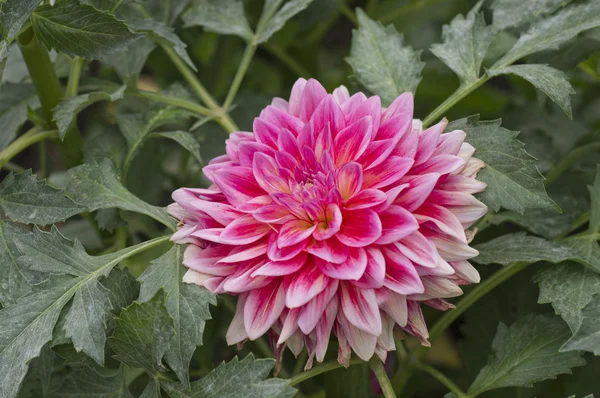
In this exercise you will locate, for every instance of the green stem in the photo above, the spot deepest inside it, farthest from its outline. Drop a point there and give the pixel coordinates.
(382, 377)
(15, 168)
(24, 141)
(348, 13)
(165, 99)
(300, 361)
(589, 70)
(459, 94)
(444, 380)
(317, 370)
(221, 116)
(287, 60)
(569, 160)
(241, 72)
(112, 10)
(43, 159)
(49, 91)
(74, 75)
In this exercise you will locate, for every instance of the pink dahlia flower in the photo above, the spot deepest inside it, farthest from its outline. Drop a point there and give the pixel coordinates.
(334, 214)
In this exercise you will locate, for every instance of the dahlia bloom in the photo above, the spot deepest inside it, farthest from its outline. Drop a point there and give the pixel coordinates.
(334, 214)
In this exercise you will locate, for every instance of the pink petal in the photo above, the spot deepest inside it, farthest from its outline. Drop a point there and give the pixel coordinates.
(242, 280)
(360, 308)
(371, 107)
(450, 248)
(388, 172)
(401, 275)
(442, 218)
(416, 323)
(271, 214)
(312, 95)
(306, 285)
(396, 224)
(352, 141)
(294, 232)
(442, 164)
(263, 167)
(428, 141)
(254, 204)
(205, 260)
(460, 183)
(220, 212)
(282, 119)
(280, 268)
(391, 196)
(276, 253)
(365, 199)
(349, 179)
(466, 271)
(323, 329)
(359, 228)
(333, 221)
(262, 309)
(238, 184)
(362, 343)
(249, 149)
(395, 128)
(236, 333)
(418, 249)
(312, 311)
(374, 275)
(450, 143)
(331, 250)
(395, 306)
(328, 112)
(352, 269)
(418, 190)
(209, 234)
(244, 230)
(245, 253)
(290, 325)
(323, 142)
(376, 153)
(404, 104)
(286, 141)
(296, 96)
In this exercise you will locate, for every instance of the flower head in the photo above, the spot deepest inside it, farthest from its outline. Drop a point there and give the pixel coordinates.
(334, 214)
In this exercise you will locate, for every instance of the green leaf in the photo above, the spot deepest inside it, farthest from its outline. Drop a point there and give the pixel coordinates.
(14, 100)
(129, 63)
(549, 33)
(587, 249)
(595, 207)
(514, 181)
(162, 34)
(570, 54)
(466, 41)
(587, 337)
(185, 139)
(569, 288)
(186, 304)
(80, 30)
(27, 200)
(142, 334)
(270, 23)
(551, 81)
(525, 353)
(68, 109)
(14, 14)
(13, 281)
(152, 390)
(88, 382)
(380, 60)
(96, 186)
(237, 379)
(221, 16)
(510, 13)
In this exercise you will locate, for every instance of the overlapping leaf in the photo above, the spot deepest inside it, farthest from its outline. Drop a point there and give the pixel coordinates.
(221, 16)
(14, 14)
(14, 100)
(587, 337)
(273, 17)
(185, 139)
(13, 281)
(509, 13)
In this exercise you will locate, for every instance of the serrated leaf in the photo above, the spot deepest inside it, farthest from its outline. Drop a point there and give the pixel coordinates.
(466, 41)
(514, 181)
(381, 61)
(549, 33)
(28, 200)
(68, 109)
(569, 288)
(13, 281)
(80, 30)
(270, 23)
(186, 304)
(86, 381)
(96, 186)
(594, 226)
(14, 100)
(237, 379)
(14, 14)
(526, 352)
(185, 139)
(221, 16)
(129, 63)
(142, 334)
(586, 246)
(587, 337)
(162, 34)
(510, 13)
(551, 81)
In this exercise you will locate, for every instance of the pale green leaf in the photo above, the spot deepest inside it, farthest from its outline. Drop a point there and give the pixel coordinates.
(13, 281)
(68, 109)
(509, 13)
(221, 16)
(96, 186)
(569, 288)
(587, 337)
(129, 63)
(513, 180)
(187, 304)
(551, 81)
(27, 200)
(237, 379)
(549, 33)
(86, 382)
(270, 23)
(466, 41)
(595, 207)
(80, 30)
(381, 61)
(14, 14)
(142, 334)
(525, 353)
(587, 249)
(185, 139)
(14, 100)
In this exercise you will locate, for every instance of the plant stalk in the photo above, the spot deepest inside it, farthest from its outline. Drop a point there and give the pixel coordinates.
(287, 60)
(24, 141)
(165, 99)
(317, 370)
(241, 72)
(382, 377)
(74, 76)
(569, 160)
(439, 376)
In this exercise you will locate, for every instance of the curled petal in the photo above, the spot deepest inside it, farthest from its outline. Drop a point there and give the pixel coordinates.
(307, 283)
(359, 228)
(360, 308)
(351, 269)
(262, 308)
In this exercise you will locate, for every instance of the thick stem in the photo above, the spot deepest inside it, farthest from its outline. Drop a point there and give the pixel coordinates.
(239, 75)
(382, 377)
(49, 91)
(317, 370)
(74, 75)
(439, 376)
(221, 116)
(24, 141)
